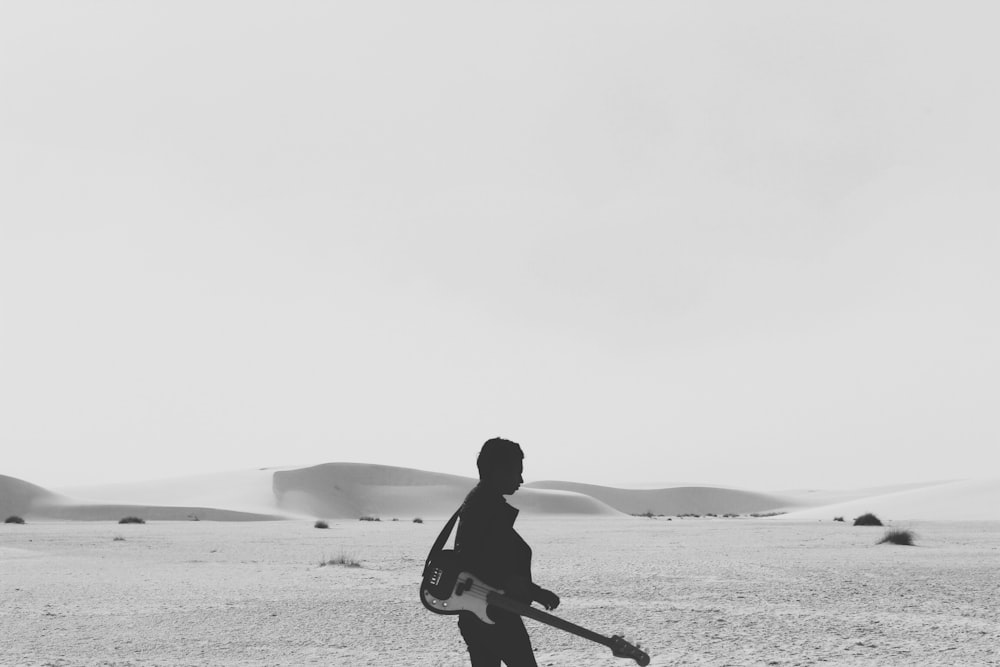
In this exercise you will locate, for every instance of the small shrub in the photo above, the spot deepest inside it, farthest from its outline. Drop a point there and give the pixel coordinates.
(369, 518)
(418, 520)
(131, 519)
(868, 519)
(321, 524)
(648, 514)
(838, 518)
(898, 536)
(729, 515)
(764, 515)
(713, 515)
(345, 559)
(14, 519)
(118, 538)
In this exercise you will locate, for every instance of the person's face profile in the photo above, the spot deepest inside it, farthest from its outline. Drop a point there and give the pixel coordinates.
(508, 478)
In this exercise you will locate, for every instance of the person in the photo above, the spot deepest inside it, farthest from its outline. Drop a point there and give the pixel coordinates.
(489, 547)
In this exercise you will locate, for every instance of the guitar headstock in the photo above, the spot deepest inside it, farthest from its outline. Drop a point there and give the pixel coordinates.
(622, 649)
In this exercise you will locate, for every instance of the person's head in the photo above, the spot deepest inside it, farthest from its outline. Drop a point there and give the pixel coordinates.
(500, 464)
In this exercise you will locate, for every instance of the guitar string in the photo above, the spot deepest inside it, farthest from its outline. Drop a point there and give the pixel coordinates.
(482, 592)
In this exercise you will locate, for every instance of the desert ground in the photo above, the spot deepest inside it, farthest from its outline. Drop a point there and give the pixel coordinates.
(692, 591)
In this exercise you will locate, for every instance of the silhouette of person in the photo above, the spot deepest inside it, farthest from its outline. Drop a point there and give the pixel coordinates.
(490, 548)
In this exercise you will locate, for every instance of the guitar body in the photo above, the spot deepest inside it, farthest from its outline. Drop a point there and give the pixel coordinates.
(467, 593)
(441, 592)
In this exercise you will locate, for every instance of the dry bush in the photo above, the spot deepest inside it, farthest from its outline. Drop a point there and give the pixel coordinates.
(868, 519)
(321, 524)
(131, 519)
(345, 559)
(898, 536)
(14, 519)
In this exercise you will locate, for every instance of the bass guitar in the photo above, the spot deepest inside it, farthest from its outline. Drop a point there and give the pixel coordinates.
(445, 590)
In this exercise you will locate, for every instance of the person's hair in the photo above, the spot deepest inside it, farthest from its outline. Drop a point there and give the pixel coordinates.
(497, 453)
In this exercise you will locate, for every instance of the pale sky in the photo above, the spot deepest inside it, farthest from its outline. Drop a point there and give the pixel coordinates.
(748, 244)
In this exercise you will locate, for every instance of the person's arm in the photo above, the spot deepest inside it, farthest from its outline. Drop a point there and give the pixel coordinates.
(524, 590)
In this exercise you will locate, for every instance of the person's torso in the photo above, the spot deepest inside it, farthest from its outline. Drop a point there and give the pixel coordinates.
(488, 517)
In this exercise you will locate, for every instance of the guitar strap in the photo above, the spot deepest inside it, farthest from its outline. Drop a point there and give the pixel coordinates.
(442, 538)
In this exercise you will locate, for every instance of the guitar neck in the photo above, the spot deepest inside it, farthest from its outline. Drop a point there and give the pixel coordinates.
(522, 609)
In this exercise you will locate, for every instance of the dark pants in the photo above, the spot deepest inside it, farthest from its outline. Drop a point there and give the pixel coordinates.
(489, 644)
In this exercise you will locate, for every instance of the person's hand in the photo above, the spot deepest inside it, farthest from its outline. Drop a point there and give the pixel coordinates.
(547, 599)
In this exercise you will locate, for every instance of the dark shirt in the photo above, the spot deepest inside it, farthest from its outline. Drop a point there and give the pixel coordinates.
(489, 547)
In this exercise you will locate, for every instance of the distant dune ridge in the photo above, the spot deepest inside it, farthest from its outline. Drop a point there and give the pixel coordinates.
(961, 500)
(352, 490)
(21, 498)
(676, 500)
(245, 491)
(107, 512)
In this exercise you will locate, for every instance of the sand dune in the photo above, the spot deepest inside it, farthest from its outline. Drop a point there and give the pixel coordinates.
(964, 500)
(352, 490)
(17, 497)
(328, 491)
(27, 500)
(247, 491)
(97, 512)
(819, 497)
(676, 500)
(342, 490)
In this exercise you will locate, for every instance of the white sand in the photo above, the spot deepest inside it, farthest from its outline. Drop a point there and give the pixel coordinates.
(692, 591)
(796, 589)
